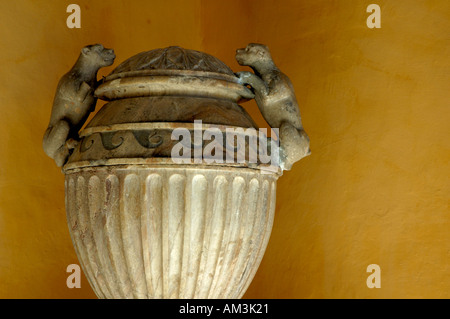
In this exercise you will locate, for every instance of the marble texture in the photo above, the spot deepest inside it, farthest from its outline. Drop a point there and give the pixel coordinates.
(165, 232)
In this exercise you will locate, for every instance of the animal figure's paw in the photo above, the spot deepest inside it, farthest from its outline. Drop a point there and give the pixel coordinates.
(294, 144)
(245, 77)
(84, 89)
(61, 156)
(85, 92)
(71, 143)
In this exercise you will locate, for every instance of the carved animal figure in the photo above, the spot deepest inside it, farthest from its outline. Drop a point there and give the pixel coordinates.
(275, 97)
(74, 101)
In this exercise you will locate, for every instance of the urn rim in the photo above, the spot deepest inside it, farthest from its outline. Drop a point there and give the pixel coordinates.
(162, 82)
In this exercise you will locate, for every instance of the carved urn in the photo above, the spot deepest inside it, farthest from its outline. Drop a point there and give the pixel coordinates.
(152, 210)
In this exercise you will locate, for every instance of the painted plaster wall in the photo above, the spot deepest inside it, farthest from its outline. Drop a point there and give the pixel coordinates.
(375, 103)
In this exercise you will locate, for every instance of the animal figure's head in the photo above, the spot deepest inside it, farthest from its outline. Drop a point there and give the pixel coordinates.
(253, 54)
(97, 55)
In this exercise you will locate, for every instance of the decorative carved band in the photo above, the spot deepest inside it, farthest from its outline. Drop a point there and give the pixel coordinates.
(152, 126)
(196, 143)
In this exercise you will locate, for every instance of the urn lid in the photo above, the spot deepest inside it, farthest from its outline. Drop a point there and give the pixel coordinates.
(173, 85)
(173, 58)
(173, 71)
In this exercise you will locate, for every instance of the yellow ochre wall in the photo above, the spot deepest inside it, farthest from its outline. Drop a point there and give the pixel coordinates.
(375, 103)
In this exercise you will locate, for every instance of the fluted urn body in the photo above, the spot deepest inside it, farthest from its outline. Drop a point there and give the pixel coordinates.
(147, 226)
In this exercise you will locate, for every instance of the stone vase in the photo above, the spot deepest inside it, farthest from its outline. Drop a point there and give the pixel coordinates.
(144, 226)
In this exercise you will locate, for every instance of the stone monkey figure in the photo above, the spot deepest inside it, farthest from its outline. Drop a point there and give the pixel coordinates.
(74, 101)
(275, 97)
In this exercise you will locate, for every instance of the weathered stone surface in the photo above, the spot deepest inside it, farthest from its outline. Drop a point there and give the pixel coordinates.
(165, 232)
(147, 226)
(275, 96)
(74, 101)
(173, 58)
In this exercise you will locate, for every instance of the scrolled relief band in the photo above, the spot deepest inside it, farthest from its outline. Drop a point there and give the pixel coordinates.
(110, 140)
(182, 142)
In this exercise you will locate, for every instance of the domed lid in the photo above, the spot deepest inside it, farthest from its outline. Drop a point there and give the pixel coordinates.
(159, 93)
(173, 58)
(173, 71)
